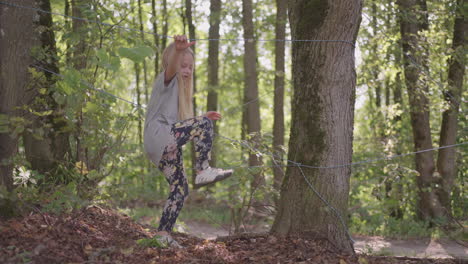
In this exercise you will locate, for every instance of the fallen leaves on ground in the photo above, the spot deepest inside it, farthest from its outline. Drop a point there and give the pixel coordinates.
(101, 235)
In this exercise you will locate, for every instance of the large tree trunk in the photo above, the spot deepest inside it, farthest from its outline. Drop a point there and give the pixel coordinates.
(322, 119)
(446, 165)
(252, 109)
(213, 65)
(278, 122)
(16, 26)
(45, 154)
(412, 23)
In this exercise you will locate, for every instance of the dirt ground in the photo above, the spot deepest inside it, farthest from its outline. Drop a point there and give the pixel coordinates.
(99, 235)
(419, 248)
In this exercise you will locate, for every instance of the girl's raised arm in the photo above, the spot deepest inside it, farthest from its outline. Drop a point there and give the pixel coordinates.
(181, 44)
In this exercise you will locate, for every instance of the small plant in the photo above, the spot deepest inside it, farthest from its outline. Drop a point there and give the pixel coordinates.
(64, 199)
(155, 242)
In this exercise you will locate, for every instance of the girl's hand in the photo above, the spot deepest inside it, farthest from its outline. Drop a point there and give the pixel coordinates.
(213, 115)
(181, 42)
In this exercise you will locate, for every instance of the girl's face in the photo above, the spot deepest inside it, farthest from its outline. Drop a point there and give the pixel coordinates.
(186, 66)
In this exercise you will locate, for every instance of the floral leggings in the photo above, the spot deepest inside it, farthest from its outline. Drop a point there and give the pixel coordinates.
(200, 130)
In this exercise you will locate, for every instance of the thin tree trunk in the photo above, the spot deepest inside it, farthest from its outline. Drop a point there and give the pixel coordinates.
(67, 27)
(375, 73)
(446, 165)
(165, 25)
(396, 209)
(191, 26)
(412, 23)
(251, 89)
(183, 16)
(138, 98)
(79, 63)
(213, 65)
(156, 38)
(322, 120)
(145, 71)
(278, 121)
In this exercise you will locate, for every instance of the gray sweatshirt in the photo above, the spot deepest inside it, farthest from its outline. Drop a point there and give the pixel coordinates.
(162, 112)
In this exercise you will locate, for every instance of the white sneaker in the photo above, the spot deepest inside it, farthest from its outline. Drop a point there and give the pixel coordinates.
(211, 175)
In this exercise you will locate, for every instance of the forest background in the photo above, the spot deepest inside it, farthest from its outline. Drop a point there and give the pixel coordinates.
(90, 102)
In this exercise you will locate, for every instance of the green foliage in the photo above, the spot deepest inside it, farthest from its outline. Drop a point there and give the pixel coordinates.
(4, 123)
(71, 82)
(64, 199)
(8, 203)
(108, 60)
(136, 54)
(152, 242)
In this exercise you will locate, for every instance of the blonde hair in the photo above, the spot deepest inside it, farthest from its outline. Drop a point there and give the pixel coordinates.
(185, 88)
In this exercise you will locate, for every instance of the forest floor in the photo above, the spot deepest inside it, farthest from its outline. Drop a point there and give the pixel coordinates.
(372, 245)
(100, 235)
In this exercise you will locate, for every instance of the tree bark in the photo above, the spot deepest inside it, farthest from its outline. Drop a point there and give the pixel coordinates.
(138, 98)
(191, 26)
(446, 165)
(412, 23)
(142, 35)
(324, 82)
(45, 154)
(375, 71)
(15, 45)
(165, 25)
(278, 121)
(79, 63)
(156, 38)
(252, 109)
(213, 65)
(67, 27)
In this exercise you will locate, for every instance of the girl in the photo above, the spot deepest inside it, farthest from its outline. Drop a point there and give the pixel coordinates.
(170, 124)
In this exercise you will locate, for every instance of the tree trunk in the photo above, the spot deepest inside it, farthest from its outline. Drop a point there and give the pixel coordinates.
(67, 27)
(138, 98)
(278, 121)
(213, 65)
(393, 187)
(45, 154)
(446, 165)
(191, 26)
(156, 38)
(375, 71)
(324, 82)
(79, 27)
(79, 63)
(252, 109)
(165, 25)
(16, 26)
(145, 71)
(413, 21)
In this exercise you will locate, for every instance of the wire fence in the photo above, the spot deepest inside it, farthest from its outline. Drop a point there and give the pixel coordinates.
(289, 163)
